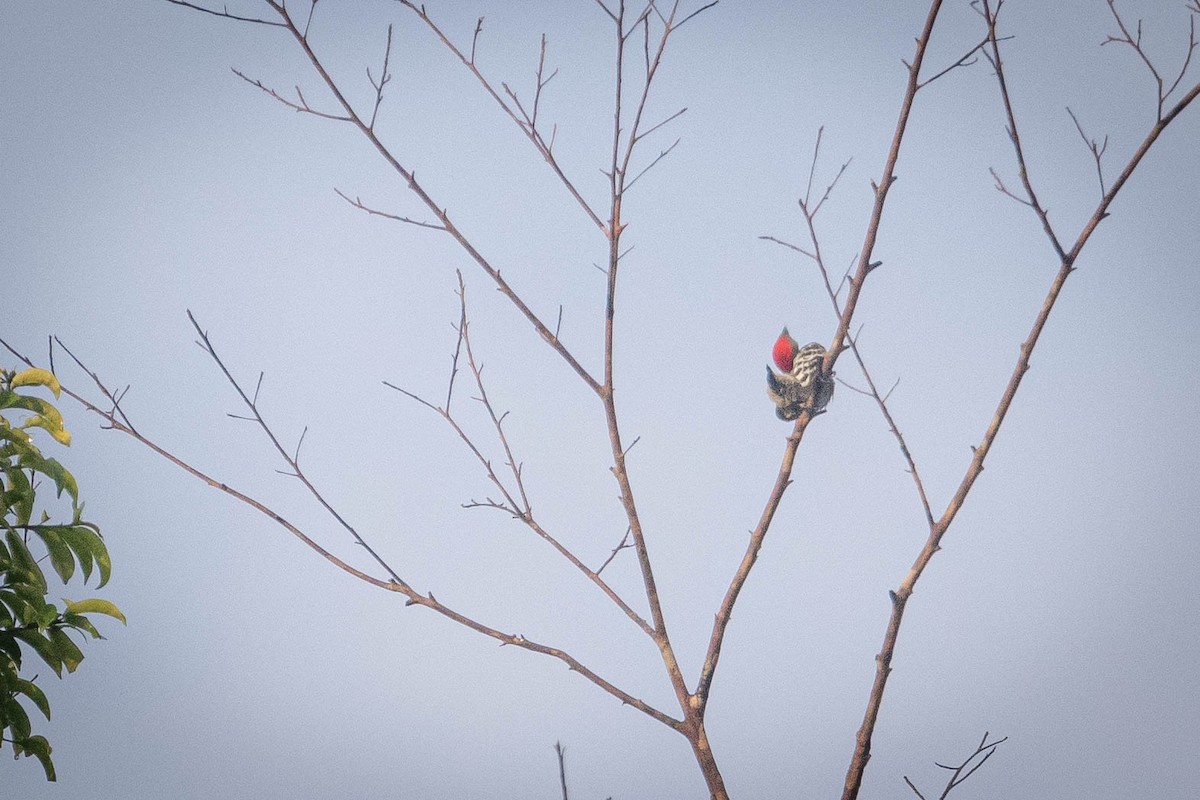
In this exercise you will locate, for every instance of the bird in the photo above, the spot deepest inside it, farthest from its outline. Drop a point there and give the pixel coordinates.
(801, 384)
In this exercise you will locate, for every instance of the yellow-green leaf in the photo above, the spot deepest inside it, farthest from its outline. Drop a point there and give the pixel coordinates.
(95, 605)
(37, 377)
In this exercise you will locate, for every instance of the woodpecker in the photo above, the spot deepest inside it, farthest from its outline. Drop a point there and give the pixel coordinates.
(801, 385)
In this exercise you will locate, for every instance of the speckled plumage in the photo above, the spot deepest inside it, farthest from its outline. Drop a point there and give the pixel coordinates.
(800, 384)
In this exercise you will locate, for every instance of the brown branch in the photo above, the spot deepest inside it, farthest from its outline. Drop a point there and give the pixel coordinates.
(293, 465)
(1096, 149)
(865, 263)
(966, 61)
(901, 595)
(358, 203)
(783, 478)
(662, 154)
(515, 501)
(985, 749)
(1134, 41)
(1031, 198)
(525, 122)
(624, 143)
(624, 544)
(443, 217)
(393, 584)
(561, 753)
(384, 75)
(862, 749)
(301, 107)
(225, 13)
(788, 245)
(809, 211)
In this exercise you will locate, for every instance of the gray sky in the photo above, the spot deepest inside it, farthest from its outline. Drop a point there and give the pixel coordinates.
(139, 178)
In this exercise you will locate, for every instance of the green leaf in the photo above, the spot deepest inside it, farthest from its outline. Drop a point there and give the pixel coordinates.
(37, 377)
(37, 405)
(13, 435)
(31, 690)
(85, 541)
(16, 718)
(49, 467)
(95, 605)
(53, 427)
(67, 649)
(43, 647)
(39, 748)
(61, 557)
(81, 623)
(20, 496)
(23, 560)
(10, 649)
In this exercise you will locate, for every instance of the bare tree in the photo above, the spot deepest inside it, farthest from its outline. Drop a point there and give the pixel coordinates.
(641, 38)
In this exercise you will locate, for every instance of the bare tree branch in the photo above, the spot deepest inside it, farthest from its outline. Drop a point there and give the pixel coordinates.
(965, 61)
(515, 500)
(809, 211)
(393, 583)
(1030, 199)
(300, 105)
(527, 123)
(623, 544)
(358, 203)
(1068, 258)
(1096, 149)
(384, 76)
(1134, 41)
(976, 760)
(561, 752)
(224, 12)
(410, 179)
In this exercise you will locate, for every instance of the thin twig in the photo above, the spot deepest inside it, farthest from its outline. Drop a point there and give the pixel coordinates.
(523, 121)
(983, 752)
(114, 419)
(809, 211)
(410, 179)
(561, 752)
(225, 13)
(1031, 199)
(384, 77)
(358, 203)
(966, 61)
(300, 106)
(515, 501)
(1134, 41)
(1096, 149)
(624, 543)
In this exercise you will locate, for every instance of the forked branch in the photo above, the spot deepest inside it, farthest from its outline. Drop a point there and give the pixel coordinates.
(966, 769)
(515, 111)
(512, 493)
(350, 115)
(1067, 259)
(865, 265)
(116, 420)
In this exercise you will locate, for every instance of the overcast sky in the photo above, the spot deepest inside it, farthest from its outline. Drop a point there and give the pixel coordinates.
(139, 178)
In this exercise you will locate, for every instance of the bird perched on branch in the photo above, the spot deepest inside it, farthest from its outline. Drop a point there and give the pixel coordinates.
(801, 385)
